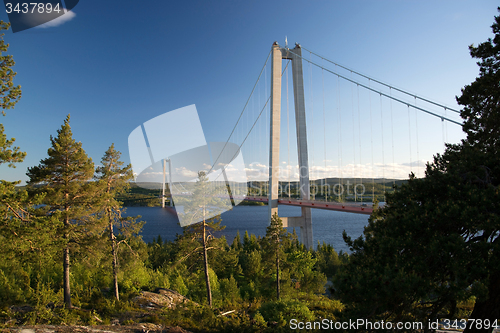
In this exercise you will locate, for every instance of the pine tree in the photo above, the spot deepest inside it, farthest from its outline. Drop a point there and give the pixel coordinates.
(275, 235)
(113, 180)
(437, 240)
(236, 245)
(65, 178)
(24, 235)
(203, 203)
(479, 163)
(9, 96)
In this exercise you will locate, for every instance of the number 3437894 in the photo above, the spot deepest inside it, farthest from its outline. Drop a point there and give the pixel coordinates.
(473, 323)
(32, 7)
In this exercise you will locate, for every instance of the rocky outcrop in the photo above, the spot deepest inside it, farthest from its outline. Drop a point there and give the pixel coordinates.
(162, 298)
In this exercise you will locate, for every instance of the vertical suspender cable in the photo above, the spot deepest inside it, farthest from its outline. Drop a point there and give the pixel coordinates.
(442, 130)
(371, 139)
(312, 124)
(353, 143)
(252, 109)
(416, 133)
(359, 133)
(261, 129)
(446, 126)
(288, 134)
(383, 148)
(324, 134)
(266, 138)
(392, 135)
(409, 135)
(341, 188)
(255, 132)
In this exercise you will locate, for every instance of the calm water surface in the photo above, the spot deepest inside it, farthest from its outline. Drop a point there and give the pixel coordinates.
(327, 225)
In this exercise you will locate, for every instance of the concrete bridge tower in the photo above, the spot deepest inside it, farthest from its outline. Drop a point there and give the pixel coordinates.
(304, 221)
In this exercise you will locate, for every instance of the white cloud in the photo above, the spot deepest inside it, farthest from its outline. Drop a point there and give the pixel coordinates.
(377, 170)
(186, 172)
(67, 16)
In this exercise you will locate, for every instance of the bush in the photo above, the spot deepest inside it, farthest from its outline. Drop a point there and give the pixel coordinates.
(283, 311)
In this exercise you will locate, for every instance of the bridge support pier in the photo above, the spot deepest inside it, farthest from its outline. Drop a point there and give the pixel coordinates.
(304, 221)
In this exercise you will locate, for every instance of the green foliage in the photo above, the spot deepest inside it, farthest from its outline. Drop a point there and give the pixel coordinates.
(327, 259)
(282, 311)
(113, 181)
(301, 267)
(26, 257)
(259, 320)
(13, 285)
(250, 243)
(9, 154)
(179, 285)
(64, 177)
(230, 291)
(481, 98)
(273, 250)
(9, 94)
(436, 243)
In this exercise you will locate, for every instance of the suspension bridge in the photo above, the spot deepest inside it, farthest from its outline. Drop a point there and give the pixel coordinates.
(355, 139)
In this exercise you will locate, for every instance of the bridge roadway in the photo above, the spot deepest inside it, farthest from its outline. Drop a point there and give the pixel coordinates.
(347, 207)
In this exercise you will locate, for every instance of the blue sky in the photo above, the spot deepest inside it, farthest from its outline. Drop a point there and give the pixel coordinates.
(116, 64)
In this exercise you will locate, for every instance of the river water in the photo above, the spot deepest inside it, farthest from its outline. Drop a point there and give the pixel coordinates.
(327, 224)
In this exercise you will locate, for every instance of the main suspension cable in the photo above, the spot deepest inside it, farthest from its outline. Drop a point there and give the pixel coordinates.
(241, 114)
(380, 92)
(382, 83)
(250, 131)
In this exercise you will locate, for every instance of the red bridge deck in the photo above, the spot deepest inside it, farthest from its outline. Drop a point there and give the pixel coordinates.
(341, 207)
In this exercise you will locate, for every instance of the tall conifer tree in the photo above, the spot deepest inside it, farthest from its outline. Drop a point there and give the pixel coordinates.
(113, 180)
(9, 96)
(203, 203)
(437, 240)
(275, 234)
(65, 178)
(24, 235)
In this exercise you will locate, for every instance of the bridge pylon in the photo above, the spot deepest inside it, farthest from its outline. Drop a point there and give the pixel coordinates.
(304, 221)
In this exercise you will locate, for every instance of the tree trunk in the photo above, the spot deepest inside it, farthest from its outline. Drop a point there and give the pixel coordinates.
(66, 286)
(277, 273)
(115, 263)
(205, 259)
(66, 282)
(486, 310)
